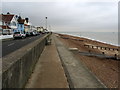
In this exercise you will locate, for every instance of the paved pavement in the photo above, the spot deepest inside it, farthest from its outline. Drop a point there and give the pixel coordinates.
(48, 72)
(78, 75)
(58, 68)
(12, 45)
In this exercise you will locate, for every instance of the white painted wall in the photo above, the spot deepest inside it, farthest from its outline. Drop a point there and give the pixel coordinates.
(0, 22)
(12, 25)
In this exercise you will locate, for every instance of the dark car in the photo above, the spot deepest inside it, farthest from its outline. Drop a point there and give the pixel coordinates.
(33, 34)
(28, 34)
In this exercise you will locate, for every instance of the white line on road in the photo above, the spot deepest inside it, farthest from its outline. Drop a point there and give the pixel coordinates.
(11, 44)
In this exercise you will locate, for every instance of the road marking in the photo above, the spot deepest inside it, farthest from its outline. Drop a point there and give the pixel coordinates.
(11, 44)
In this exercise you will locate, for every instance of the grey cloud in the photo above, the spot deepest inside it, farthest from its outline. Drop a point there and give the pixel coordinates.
(87, 16)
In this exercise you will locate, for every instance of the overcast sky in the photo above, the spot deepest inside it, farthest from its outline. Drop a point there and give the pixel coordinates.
(68, 16)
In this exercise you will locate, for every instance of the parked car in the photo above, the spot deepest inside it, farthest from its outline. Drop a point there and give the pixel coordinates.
(36, 33)
(28, 34)
(47, 32)
(33, 34)
(19, 35)
(43, 32)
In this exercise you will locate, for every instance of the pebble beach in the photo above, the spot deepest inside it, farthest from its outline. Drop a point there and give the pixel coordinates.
(104, 67)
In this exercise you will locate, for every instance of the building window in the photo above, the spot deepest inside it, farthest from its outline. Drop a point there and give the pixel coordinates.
(21, 25)
(13, 23)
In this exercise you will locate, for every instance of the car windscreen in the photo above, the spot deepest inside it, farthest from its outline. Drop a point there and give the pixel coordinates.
(17, 33)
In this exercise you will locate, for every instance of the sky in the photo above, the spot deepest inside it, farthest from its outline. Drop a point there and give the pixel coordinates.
(68, 16)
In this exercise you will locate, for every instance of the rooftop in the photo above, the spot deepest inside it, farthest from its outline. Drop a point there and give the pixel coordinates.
(6, 17)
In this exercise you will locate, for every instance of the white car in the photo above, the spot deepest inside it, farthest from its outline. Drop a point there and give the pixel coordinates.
(19, 35)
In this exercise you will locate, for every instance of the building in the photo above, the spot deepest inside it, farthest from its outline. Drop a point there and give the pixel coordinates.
(20, 25)
(8, 23)
(27, 25)
(34, 28)
(40, 29)
(5, 30)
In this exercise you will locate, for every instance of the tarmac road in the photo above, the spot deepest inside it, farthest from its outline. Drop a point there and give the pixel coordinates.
(13, 45)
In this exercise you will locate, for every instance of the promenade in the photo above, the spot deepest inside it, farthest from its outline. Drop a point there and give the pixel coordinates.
(48, 72)
(58, 68)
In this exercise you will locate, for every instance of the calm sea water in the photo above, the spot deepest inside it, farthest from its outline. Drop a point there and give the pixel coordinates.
(106, 37)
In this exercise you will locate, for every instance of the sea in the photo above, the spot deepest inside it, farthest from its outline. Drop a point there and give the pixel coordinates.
(105, 37)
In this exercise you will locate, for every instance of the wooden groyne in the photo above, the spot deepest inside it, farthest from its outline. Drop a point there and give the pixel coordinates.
(100, 47)
(91, 46)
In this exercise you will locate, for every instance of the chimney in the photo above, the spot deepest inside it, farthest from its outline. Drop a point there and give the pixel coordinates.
(16, 16)
(8, 13)
(27, 19)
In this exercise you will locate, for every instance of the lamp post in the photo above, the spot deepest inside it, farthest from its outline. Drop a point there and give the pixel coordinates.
(2, 28)
(49, 27)
(46, 22)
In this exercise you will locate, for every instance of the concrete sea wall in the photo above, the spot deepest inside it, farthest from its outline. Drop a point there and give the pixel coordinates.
(17, 66)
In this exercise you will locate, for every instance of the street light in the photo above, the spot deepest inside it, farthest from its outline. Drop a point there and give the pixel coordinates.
(49, 27)
(46, 22)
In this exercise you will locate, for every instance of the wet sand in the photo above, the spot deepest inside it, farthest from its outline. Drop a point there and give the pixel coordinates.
(106, 70)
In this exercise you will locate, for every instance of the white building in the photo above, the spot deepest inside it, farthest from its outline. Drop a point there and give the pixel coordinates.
(8, 23)
(40, 29)
(28, 25)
